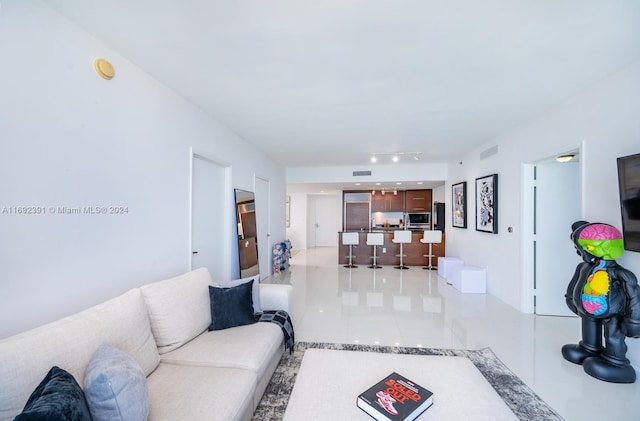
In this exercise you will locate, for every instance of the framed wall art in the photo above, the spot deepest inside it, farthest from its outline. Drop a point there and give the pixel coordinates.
(459, 205)
(487, 203)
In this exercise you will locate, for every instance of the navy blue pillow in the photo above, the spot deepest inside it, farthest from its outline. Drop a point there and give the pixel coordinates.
(57, 397)
(231, 307)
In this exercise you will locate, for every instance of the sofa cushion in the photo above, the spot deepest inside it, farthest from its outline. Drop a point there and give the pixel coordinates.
(178, 308)
(257, 347)
(115, 387)
(255, 280)
(70, 343)
(57, 397)
(231, 307)
(201, 393)
(249, 347)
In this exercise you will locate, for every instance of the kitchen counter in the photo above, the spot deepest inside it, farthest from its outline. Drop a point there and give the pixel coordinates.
(388, 252)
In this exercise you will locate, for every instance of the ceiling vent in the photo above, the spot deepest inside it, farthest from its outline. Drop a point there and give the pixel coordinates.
(489, 152)
(361, 173)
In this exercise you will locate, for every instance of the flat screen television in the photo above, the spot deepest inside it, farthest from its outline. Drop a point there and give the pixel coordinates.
(629, 185)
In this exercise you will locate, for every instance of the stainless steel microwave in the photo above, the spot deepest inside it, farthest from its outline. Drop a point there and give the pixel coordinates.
(418, 220)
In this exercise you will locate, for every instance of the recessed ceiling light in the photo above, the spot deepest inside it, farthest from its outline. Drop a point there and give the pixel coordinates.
(374, 159)
(419, 182)
(395, 158)
(398, 183)
(565, 158)
(357, 184)
(377, 184)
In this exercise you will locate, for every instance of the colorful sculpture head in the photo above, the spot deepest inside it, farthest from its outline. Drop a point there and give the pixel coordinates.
(599, 240)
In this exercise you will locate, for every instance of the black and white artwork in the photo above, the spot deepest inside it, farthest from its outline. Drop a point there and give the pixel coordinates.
(487, 204)
(459, 208)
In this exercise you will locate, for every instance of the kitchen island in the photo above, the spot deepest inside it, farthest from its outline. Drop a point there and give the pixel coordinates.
(388, 253)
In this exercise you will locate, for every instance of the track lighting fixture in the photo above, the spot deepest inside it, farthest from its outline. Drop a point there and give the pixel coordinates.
(395, 156)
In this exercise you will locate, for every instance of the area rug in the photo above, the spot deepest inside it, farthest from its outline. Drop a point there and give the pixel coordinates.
(523, 401)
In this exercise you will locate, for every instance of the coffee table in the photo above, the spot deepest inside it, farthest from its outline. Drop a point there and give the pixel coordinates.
(329, 382)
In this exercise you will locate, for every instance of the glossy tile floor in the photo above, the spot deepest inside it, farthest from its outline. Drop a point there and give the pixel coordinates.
(417, 308)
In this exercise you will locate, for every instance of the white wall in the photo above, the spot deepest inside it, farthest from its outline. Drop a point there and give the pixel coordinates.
(379, 172)
(303, 217)
(605, 120)
(297, 232)
(69, 138)
(438, 194)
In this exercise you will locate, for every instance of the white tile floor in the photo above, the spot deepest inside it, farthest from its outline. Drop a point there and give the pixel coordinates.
(417, 308)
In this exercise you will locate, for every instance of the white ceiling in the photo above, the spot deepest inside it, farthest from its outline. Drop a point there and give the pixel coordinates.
(327, 82)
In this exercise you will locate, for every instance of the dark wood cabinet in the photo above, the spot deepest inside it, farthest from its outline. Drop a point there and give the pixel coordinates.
(388, 202)
(356, 216)
(396, 202)
(418, 201)
(248, 252)
(378, 203)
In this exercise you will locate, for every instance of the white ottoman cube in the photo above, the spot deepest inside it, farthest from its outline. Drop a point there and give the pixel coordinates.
(470, 279)
(446, 266)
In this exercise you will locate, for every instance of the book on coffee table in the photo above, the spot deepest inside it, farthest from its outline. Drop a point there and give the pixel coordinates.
(395, 398)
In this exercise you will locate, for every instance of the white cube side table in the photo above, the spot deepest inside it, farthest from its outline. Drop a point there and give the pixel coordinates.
(446, 266)
(470, 279)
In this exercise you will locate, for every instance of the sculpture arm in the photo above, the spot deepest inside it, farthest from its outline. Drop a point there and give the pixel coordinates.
(570, 288)
(631, 320)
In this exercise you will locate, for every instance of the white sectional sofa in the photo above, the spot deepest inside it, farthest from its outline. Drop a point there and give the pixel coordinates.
(191, 373)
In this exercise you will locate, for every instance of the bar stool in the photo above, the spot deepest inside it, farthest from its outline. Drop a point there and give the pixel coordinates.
(431, 238)
(375, 239)
(350, 239)
(402, 237)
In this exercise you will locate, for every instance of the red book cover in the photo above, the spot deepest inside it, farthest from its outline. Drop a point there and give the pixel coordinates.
(395, 398)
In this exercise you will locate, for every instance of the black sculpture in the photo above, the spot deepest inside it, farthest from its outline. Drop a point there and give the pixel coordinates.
(605, 296)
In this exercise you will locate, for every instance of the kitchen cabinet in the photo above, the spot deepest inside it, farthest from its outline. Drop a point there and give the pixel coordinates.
(248, 252)
(418, 201)
(388, 202)
(356, 216)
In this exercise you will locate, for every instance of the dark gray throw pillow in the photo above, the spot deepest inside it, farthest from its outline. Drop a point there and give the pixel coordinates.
(57, 397)
(231, 307)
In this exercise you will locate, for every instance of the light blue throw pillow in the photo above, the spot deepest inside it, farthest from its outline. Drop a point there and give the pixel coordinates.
(115, 387)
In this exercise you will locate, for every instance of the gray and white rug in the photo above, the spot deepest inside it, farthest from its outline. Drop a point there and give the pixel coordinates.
(523, 401)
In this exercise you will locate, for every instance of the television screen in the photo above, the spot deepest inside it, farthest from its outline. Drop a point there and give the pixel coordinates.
(629, 185)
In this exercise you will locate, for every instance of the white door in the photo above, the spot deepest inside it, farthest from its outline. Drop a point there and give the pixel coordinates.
(263, 217)
(557, 206)
(325, 224)
(207, 216)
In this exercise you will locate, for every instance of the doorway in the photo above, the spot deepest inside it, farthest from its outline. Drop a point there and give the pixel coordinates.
(323, 221)
(556, 205)
(208, 217)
